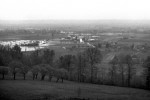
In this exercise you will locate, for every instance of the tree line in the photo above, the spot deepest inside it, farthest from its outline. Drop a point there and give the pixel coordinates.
(85, 66)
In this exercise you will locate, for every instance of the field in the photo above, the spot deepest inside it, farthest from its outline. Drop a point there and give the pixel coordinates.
(29, 90)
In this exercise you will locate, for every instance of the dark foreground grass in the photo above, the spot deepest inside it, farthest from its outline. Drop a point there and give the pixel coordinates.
(37, 90)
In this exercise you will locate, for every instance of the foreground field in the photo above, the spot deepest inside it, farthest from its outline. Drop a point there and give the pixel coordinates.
(29, 90)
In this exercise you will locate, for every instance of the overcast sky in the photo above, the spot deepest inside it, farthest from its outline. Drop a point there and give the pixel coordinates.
(74, 9)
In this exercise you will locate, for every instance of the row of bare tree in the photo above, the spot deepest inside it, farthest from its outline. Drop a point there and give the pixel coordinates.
(83, 67)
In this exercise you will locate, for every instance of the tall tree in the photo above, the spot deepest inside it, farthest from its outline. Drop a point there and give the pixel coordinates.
(67, 62)
(35, 58)
(1, 60)
(5, 55)
(121, 64)
(93, 56)
(113, 69)
(81, 65)
(26, 60)
(16, 52)
(48, 56)
(130, 69)
(146, 66)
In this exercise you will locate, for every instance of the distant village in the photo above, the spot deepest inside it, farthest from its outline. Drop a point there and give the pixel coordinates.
(78, 40)
(71, 38)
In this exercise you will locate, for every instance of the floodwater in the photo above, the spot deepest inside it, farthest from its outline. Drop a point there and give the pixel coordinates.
(27, 48)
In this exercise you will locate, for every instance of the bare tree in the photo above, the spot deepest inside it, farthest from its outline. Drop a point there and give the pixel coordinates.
(67, 62)
(5, 55)
(102, 74)
(48, 56)
(122, 69)
(16, 52)
(35, 58)
(130, 69)
(146, 66)
(93, 56)
(81, 65)
(113, 69)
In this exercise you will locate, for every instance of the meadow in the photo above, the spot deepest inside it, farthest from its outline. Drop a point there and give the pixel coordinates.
(38, 90)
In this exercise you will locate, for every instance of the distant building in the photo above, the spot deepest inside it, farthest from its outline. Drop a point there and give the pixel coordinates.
(67, 41)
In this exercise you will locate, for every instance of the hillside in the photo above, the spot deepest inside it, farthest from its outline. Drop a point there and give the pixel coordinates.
(29, 90)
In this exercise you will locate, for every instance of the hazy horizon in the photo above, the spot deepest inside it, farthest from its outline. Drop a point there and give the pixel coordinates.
(74, 23)
(22, 10)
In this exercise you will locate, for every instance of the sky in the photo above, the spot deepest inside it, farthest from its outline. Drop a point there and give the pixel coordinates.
(74, 9)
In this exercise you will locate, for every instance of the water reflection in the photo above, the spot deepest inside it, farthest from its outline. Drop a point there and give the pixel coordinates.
(27, 48)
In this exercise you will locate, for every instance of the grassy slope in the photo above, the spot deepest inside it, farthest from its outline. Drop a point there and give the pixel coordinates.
(28, 89)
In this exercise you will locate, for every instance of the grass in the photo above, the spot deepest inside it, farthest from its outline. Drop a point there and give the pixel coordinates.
(28, 90)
